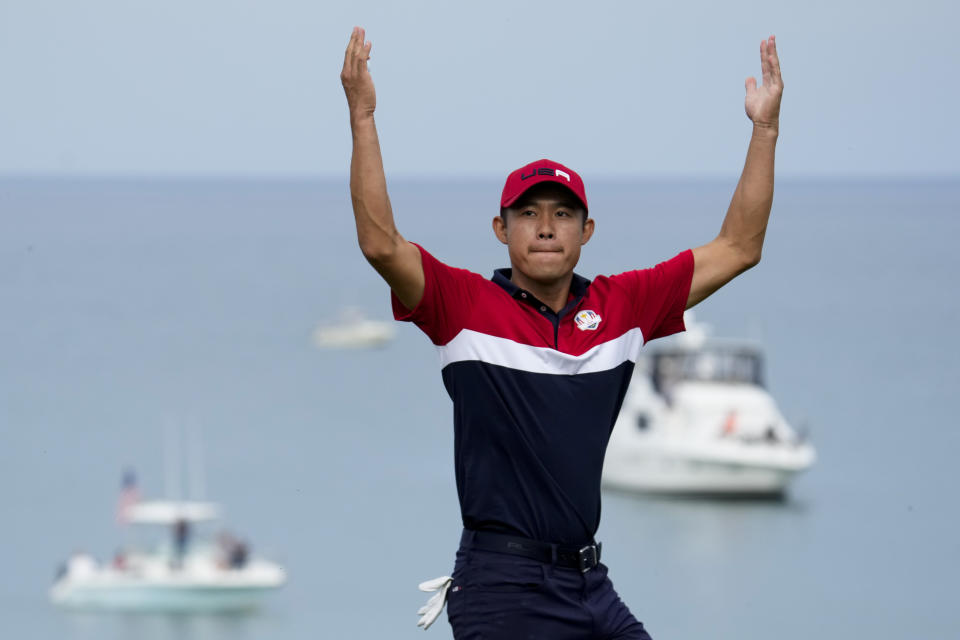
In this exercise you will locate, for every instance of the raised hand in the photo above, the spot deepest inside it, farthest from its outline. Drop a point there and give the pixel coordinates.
(763, 103)
(356, 79)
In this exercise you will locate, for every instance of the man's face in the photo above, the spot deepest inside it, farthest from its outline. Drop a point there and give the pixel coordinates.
(544, 231)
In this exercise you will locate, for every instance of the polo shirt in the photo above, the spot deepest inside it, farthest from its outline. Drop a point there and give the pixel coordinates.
(536, 393)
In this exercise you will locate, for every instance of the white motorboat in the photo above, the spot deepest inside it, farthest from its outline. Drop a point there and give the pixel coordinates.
(353, 331)
(698, 420)
(197, 576)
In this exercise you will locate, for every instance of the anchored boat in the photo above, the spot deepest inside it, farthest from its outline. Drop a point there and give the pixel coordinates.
(353, 331)
(181, 574)
(698, 420)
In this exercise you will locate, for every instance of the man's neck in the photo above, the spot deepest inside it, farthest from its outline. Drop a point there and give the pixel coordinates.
(554, 294)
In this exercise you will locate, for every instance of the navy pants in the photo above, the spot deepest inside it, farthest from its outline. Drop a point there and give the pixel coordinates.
(498, 596)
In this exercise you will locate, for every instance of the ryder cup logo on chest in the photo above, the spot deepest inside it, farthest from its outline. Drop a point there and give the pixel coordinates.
(588, 320)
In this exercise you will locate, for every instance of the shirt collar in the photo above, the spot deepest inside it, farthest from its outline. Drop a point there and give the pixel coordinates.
(501, 277)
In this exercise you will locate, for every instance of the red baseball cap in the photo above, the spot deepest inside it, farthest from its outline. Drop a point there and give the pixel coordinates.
(542, 171)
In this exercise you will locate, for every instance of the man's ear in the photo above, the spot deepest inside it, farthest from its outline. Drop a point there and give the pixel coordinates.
(588, 227)
(500, 229)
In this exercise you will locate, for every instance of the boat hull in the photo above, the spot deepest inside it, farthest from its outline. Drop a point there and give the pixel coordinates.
(681, 469)
(159, 598)
(151, 584)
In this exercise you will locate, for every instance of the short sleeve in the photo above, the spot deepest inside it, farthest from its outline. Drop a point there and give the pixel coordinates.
(446, 302)
(659, 295)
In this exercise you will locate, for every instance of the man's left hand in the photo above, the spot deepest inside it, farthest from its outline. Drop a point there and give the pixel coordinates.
(763, 103)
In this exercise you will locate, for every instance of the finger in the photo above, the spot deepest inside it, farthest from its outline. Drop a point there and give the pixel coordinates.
(358, 62)
(751, 85)
(365, 57)
(350, 45)
(350, 64)
(764, 63)
(775, 61)
(363, 52)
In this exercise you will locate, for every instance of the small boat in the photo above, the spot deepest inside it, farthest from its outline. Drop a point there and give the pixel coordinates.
(353, 331)
(181, 575)
(698, 420)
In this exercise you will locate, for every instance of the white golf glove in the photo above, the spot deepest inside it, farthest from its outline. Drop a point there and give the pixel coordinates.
(430, 611)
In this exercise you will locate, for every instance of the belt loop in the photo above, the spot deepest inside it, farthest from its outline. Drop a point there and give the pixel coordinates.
(553, 554)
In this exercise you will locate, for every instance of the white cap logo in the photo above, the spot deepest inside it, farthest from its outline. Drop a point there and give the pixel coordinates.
(564, 174)
(587, 320)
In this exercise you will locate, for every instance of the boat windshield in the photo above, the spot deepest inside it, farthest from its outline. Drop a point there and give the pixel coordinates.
(731, 365)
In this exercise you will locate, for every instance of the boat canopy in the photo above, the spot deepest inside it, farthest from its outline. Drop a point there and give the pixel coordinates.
(169, 512)
(727, 363)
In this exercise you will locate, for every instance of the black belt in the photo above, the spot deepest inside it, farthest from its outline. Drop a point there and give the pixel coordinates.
(583, 558)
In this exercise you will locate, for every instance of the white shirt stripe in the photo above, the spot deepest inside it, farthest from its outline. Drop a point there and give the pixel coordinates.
(471, 345)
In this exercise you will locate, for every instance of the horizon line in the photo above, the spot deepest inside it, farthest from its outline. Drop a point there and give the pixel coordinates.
(323, 177)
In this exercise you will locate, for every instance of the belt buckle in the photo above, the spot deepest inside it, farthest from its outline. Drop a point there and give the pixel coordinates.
(589, 551)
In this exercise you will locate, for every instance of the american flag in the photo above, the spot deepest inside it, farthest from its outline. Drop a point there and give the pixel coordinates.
(129, 495)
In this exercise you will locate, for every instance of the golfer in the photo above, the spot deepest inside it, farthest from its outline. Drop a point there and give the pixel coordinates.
(537, 360)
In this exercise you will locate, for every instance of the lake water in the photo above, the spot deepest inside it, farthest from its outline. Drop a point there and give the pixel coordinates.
(133, 307)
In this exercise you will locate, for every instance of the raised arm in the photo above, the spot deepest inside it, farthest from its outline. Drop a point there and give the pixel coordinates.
(739, 244)
(394, 258)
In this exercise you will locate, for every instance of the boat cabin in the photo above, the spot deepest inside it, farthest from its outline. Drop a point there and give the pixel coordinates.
(721, 363)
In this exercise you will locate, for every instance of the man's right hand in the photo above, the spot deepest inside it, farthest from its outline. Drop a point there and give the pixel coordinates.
(356, 79)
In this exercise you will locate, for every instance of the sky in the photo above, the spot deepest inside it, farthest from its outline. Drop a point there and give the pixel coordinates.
(618, 89)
